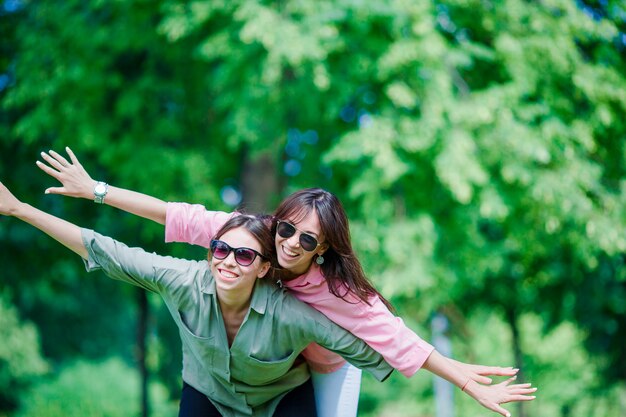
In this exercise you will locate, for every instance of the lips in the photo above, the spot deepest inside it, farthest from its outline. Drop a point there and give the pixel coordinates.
(289, 252)
(228, 274)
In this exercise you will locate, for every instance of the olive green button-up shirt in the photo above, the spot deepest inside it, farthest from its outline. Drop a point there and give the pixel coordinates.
(250, 377)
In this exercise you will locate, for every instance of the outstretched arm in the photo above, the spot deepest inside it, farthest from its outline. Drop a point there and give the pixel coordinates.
(190, 223)
(407, 352)
(63, 231)
(76, 182)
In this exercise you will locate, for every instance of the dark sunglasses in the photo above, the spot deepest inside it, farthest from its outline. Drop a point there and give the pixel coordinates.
(243, 256)
(286, 230)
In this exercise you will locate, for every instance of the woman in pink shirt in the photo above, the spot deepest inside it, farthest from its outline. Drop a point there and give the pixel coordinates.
(320, 268)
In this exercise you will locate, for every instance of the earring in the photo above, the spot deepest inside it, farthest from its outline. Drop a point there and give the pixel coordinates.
(319, 260)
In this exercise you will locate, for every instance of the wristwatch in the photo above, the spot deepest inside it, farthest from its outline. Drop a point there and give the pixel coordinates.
(100, 191)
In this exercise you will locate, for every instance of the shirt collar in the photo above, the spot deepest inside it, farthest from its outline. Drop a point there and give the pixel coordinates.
(208, 283)
(313, 276)
(260, 294)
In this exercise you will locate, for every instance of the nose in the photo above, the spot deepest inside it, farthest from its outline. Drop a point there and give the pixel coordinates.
(230, 259)
(294, 241)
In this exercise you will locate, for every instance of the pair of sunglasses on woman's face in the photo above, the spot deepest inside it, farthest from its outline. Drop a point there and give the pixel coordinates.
(246, 256)
(286, 230)
(243, 256)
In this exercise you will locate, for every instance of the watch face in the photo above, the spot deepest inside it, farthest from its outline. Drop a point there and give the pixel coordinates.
(99, 189)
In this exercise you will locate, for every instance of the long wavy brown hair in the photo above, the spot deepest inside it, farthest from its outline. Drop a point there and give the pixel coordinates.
(341, 267)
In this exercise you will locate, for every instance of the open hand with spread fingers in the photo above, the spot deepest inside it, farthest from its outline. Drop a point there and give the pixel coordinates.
(75, 181)
(492, 396)
(481, 373)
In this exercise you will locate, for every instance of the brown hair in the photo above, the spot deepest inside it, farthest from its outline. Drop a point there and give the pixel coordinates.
(341, 267)
(258, 225)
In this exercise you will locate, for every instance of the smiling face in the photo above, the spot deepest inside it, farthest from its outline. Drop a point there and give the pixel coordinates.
(290, 253)
(229, 275)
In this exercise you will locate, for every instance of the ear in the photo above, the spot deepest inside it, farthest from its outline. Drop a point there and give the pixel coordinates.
(263, 271)
(322, 249)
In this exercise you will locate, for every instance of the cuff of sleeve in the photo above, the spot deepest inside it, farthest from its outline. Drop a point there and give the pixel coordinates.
(169, 234)
(381, 373)
(88, 238)
(420, 355)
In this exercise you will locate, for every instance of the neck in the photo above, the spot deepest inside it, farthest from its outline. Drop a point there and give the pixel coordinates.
(234, 302)
(289, 274)
(234, 306)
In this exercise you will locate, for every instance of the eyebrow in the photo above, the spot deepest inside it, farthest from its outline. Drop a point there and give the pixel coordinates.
(308, 232)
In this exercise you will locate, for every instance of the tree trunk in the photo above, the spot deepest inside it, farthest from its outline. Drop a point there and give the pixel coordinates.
(444, 391)
(142, 331)
(511, 316)
(259, 182)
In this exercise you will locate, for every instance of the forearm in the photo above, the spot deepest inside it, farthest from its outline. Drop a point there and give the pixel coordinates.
(446, 369)
(64, 232)
(136, 203)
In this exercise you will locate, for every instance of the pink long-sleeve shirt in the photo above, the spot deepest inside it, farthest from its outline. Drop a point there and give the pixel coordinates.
(374, 324)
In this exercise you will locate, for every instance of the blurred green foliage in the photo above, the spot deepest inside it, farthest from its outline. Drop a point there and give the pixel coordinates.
(103, 389)
(566, 374)
(21, 360)
(478, 147)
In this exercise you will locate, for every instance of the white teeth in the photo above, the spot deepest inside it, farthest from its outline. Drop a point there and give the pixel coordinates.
(228, 274)
(288, 252)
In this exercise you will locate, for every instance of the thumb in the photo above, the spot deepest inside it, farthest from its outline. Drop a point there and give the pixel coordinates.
(55, 190)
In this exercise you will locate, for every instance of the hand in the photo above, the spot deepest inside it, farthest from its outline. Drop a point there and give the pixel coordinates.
(8, 203)
(75, 180)
(479, 373)
(491, 396)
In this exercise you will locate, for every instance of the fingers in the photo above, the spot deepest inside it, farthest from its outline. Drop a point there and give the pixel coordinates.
(72, 156)
(508, 381)
(482, 379)
(501, 410)
(519, 392)
(522, 391)
(498, 371)
(59, 158)
(526, 385)
(505, 371)
(45, 168)
(514, 398)
(52, 161)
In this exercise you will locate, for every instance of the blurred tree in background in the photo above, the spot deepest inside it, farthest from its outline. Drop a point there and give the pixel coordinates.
(21, 362)
(478, 147)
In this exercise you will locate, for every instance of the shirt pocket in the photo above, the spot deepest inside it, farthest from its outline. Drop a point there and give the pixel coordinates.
(193, 326)
(197, 340)
(255, 371)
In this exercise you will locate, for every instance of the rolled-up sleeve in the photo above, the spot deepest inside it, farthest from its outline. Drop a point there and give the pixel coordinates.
(193, 223)
(390, 336)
